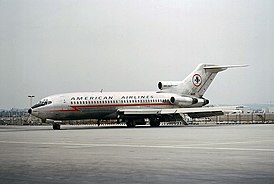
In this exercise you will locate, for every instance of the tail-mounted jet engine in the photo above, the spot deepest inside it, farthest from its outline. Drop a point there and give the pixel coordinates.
(201, 102)
(167, 84)
(188, 101)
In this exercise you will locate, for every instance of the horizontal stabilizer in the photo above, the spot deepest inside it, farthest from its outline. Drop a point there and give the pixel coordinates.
(218, 68)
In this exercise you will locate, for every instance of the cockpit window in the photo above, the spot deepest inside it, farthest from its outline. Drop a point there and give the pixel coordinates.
(42, 103)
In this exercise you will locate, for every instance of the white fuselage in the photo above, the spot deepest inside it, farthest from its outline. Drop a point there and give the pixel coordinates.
(97, 105)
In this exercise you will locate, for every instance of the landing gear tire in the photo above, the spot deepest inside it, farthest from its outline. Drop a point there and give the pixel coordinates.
(56, 126)
(155, 124)
(130, 124)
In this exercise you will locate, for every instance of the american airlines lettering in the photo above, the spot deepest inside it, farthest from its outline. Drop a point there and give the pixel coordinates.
(136, 97)
(110, 97)
(92, 98)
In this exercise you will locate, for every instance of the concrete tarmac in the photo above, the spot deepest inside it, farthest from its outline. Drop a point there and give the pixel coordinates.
(87, 154)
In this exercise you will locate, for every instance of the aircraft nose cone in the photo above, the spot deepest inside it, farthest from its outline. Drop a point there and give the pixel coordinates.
(30, 111)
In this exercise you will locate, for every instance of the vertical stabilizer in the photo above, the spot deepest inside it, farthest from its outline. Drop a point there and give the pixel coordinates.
(196, 83)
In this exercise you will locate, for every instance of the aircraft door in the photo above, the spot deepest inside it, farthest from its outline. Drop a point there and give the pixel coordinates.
(62, 103)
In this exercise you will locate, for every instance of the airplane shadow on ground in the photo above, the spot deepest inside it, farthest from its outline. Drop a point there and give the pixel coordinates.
(125, 127)
(91, 127)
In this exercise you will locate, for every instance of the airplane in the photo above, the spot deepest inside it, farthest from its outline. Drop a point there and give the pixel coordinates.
(174, 101)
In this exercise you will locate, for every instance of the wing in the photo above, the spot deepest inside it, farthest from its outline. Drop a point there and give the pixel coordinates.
(191, 112)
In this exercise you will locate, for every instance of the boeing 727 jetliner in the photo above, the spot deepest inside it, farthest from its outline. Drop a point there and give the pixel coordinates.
(172, 102)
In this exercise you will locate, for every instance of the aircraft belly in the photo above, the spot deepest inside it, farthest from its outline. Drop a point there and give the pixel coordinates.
(84, 113)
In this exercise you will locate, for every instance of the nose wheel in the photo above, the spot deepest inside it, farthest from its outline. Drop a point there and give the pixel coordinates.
(56, 126)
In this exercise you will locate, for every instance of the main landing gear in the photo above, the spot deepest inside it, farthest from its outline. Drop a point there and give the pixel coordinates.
(130, 124)
(154, 122)
(56, 126)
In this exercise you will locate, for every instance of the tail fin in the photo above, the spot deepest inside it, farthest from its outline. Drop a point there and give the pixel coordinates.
(196, 83)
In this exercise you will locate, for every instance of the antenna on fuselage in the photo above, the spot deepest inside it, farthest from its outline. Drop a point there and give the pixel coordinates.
(101, 90)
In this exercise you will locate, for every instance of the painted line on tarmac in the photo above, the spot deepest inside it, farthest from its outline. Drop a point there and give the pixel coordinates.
(226, 143)
(139, 146)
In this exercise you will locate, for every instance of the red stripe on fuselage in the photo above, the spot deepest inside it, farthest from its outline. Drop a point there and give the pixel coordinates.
(78, 107)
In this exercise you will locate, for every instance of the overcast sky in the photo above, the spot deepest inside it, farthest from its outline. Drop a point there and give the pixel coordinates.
(55, 46)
